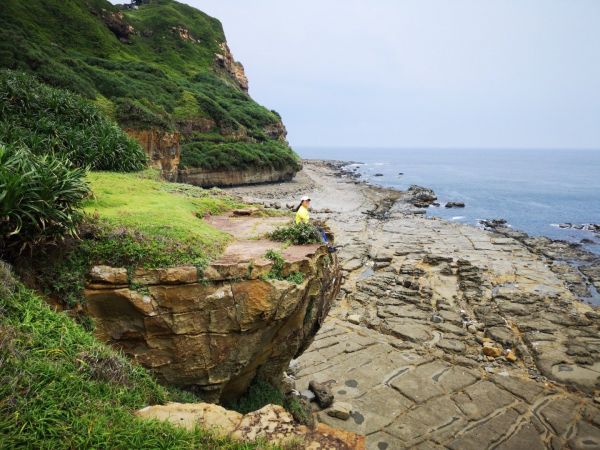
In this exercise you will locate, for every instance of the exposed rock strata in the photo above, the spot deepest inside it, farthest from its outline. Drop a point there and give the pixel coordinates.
(162, 149)
(210, 178)
(214, 332)
(233, 68)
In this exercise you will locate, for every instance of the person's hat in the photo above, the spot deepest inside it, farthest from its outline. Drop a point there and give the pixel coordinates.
(304, 198)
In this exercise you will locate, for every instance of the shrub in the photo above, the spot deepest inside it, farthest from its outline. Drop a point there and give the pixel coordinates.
(39, 198)
(259, 394)
(276, 272)
(49, 120)
(297, 234)
(238, 155)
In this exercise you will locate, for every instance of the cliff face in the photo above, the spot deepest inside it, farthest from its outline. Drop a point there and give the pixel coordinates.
(215, 332)
(209, 178)
(162, 149)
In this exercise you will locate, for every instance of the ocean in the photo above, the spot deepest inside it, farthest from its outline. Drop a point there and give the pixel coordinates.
(534, 190)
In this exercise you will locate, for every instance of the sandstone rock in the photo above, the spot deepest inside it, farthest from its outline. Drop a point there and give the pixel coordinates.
(187, 415)
(510, 356)
(271, 423)
(322, 392)
(108, 275)
(288, 384)
(214, 335)
(340, 410)
(354, 318)
(491, 350)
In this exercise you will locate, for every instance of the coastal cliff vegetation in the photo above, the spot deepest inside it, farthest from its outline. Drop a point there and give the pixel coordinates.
(161, 66)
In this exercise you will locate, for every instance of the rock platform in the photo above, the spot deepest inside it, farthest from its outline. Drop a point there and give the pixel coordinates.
(446, 335)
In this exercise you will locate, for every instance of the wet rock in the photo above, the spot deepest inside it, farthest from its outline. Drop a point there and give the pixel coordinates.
(323, 394)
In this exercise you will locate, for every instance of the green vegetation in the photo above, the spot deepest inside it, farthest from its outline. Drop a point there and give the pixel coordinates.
(297, 234)
(150, 67)
(135, 221)
(53, 121)
(40, 198)
(276, 272)
(229, 155)
(262, 393)
(61, 389)
(259, 394)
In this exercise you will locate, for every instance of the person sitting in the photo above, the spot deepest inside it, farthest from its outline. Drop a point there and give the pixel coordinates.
(302, 215)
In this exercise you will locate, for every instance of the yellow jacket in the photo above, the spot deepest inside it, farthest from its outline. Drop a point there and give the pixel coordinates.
(302, 215)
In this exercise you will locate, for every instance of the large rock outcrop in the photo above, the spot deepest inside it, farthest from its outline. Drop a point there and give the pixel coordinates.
(215, 331)
(162, 149)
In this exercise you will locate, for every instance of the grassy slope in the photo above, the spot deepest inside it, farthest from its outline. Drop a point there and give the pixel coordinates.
(158, 209)
(157, 80)
(60, 388)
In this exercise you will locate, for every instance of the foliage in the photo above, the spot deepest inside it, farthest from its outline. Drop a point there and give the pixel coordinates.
(48, 120)
(300, 409)
(259, 394)
(162, 75)
(39, 198)
(236, 155)
(297, 234)
(277, 269)
(135, 221)
(61, 389)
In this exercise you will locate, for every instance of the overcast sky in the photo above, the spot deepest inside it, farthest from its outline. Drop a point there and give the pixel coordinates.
(422, 73)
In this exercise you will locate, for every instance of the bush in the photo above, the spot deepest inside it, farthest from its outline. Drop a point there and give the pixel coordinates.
(297, 234)
(276, 272)
(238, 155)
(259, 394)
(49, 120)
(39, 198)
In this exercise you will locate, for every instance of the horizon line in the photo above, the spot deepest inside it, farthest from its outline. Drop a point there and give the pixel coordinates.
(346, 147)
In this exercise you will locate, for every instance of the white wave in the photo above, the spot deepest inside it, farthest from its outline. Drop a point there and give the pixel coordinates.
(458, 217)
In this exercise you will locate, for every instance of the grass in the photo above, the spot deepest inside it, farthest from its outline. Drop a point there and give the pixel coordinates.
(62, 389)
(155, 209)
(135, 221)
(156, 79)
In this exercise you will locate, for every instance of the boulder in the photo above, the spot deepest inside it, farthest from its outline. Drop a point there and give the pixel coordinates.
(322, 392)
(340, 410)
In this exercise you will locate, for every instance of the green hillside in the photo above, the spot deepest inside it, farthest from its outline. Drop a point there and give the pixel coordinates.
(155, 66)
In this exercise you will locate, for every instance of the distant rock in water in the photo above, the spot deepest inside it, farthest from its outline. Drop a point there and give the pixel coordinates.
(378, 175)
(420, 196)
(455, 205)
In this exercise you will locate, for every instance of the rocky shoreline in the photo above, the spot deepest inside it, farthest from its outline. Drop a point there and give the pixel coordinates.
(447, 335)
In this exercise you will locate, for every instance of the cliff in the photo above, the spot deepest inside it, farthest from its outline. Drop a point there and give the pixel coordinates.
(215, 331)
(163, 70)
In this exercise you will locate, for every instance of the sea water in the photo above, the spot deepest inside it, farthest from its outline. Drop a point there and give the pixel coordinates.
(534, 190)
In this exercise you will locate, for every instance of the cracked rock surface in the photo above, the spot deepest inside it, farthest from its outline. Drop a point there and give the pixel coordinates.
(446, 335)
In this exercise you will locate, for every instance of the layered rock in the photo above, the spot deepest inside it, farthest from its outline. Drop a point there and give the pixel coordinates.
(215, 331)
(252, 175)
(233, 68)
(162, 149)
(271, 423)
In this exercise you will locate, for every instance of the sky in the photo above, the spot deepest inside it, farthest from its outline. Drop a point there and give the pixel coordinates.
(422, 73)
